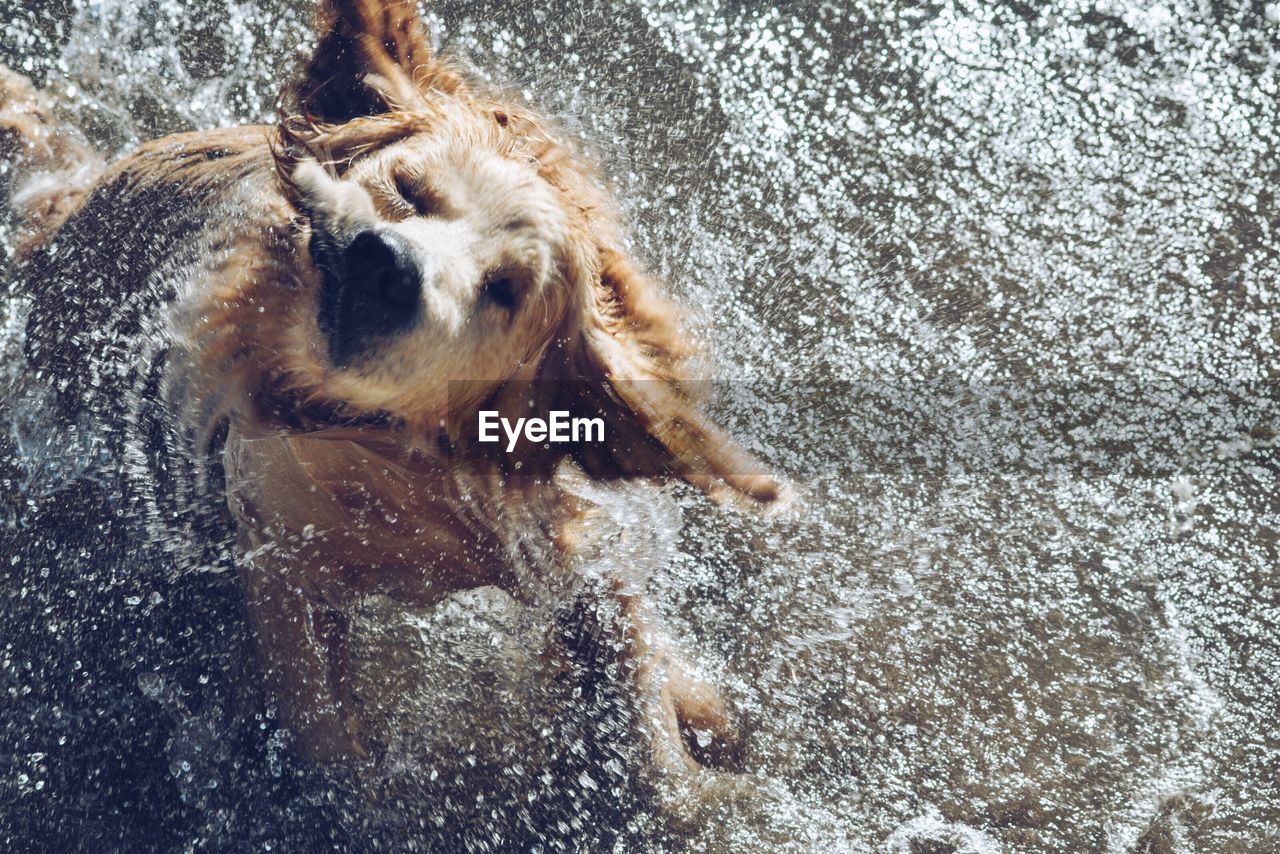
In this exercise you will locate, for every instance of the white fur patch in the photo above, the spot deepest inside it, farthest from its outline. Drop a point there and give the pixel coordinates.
(339, 208)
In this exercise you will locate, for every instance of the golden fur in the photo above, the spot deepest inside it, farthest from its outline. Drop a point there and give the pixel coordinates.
(342, 476)
(33, 142)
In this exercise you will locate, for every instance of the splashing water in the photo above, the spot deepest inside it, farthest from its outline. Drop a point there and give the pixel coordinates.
(994, 283)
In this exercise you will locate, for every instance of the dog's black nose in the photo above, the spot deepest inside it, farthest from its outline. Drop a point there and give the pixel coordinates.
(373, 291)
(380, 264)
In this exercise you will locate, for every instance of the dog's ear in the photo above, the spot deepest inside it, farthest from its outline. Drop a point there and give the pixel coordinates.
(624, 364)
(371, 57)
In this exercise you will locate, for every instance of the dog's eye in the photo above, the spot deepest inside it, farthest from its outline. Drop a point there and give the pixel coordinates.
(414, 195)
(501, 291)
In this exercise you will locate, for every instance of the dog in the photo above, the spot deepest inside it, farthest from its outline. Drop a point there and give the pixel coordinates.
(332, 299)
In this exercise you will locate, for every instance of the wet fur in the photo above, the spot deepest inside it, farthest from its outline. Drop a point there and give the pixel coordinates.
(340, 480)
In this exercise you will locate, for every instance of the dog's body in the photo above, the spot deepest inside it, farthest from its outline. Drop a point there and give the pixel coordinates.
(334, 274)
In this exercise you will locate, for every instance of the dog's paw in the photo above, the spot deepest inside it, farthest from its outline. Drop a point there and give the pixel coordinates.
(711, 736)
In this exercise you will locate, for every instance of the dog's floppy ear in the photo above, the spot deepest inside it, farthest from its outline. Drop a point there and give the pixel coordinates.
(623, 364)
(371, 57)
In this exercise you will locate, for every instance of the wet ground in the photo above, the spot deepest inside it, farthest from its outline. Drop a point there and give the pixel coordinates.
(992, 283)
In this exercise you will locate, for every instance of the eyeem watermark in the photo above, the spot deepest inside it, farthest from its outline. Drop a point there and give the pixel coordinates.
(557, 428)
(1128, 425)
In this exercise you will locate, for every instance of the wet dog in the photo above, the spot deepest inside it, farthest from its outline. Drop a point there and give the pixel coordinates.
(398, 253)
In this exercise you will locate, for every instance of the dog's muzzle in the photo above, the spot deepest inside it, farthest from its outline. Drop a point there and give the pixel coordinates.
(374, 290)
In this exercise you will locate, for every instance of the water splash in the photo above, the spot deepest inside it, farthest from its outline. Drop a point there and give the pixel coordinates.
(1001, 195)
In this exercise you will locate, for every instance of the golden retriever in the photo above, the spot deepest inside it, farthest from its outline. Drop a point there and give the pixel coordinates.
(400, 252)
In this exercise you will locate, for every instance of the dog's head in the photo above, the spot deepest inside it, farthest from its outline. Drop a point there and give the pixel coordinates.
(445, 255)
(449, 237)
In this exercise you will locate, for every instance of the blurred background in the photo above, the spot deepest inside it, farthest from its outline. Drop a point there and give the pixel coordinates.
(993, 283)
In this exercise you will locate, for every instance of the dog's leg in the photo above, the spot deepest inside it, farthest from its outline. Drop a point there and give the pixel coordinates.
(300, 650)
(683, 720)
(686, 718)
